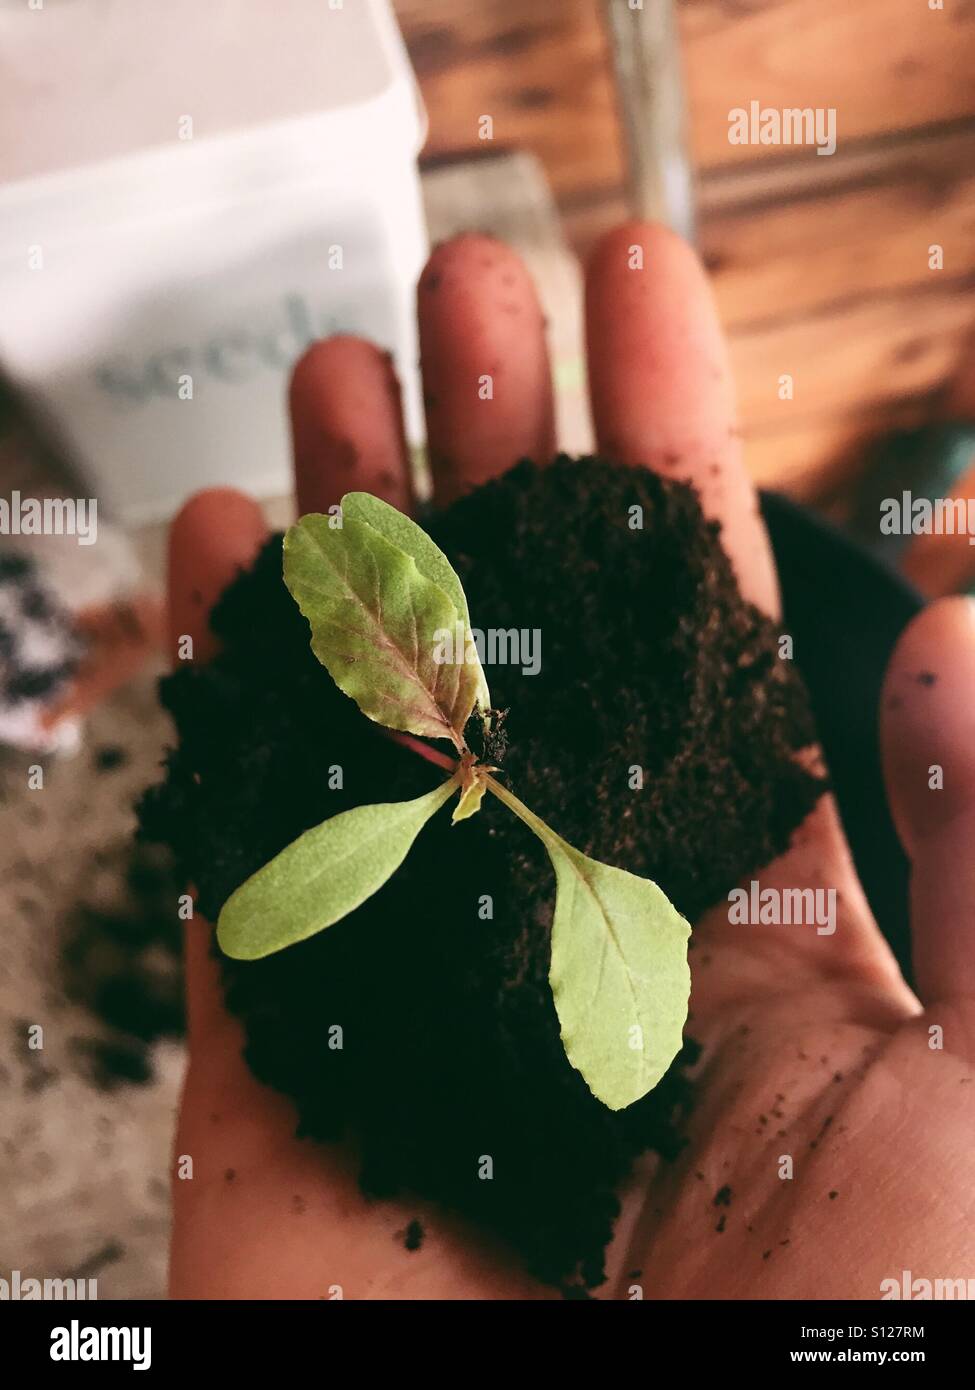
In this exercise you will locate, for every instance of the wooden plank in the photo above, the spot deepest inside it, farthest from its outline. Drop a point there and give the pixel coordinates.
(832, 283)
(885, 65)
(861, 356)
(772, 239)
(541, 71)
(818, 460)
(864, 235)
(860, 372)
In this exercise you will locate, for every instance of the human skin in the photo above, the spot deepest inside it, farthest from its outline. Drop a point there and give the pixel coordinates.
(814, 1047)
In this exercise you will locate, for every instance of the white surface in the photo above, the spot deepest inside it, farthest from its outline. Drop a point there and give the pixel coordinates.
(73, 65)
(165, 259)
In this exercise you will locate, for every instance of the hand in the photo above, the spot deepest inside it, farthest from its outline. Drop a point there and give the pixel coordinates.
(814, 1047)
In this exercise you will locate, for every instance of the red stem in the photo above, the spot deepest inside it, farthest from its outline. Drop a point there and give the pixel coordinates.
(432, 755)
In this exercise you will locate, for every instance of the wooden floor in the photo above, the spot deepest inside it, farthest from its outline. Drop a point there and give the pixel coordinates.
(820, 265)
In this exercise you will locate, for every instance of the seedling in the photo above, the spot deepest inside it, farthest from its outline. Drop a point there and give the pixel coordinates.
(376, 592)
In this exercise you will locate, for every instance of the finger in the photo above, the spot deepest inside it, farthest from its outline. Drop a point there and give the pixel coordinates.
(215, 535)
(660, 385)
(486, 381)
(928, 741)
(944, 564)
(662, 397)
(347, 426)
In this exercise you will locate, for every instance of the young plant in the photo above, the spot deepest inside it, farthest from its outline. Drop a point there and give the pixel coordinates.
(378, 594)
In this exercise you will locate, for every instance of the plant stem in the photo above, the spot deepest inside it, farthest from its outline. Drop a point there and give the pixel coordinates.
(416, 745)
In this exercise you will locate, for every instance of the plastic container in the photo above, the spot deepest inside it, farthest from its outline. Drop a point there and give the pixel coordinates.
(196, 193)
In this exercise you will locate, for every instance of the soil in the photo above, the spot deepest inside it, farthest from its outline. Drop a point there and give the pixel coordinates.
(448, 1068)
(123, 960)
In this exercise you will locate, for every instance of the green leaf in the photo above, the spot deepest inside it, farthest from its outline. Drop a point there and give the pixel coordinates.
(323, 875)
(619, 971)
(619, 975)
(375, 621)
(472, 793)
(430, 559)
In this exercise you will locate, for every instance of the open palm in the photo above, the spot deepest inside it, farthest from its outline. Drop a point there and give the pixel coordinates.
(829, 1149)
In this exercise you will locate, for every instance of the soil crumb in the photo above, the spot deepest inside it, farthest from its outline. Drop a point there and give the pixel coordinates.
(413, 1235)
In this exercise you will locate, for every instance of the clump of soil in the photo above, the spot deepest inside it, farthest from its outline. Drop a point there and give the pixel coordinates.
(122, 960)
(423, 1024)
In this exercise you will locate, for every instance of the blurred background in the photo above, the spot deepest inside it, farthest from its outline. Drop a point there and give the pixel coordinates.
(820, 265)
(190, 195)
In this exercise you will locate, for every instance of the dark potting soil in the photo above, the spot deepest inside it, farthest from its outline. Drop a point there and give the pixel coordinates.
(423, 1023)
(122, 960)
